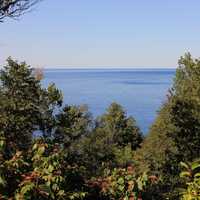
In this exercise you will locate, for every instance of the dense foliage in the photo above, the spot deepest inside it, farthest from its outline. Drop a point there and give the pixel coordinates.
(175, 133)
(191, 175)
(53, 151)
(124, 183)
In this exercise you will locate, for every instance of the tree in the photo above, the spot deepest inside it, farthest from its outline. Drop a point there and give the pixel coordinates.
(152, 154)
(122, 129)
(72, 123)
(96, 152)
(182, 116)
(158, 154)
(32, 167)
(185, 109)
(15, 8)
(24, 105)
(175, 135)
(111, 143)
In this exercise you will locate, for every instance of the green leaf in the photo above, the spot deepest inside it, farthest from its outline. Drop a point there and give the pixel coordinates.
(35, 146)
(50, 168)
(41, 150)
(27, 188)
(197, 175)
(184, 165)
(2, 181)
(45, 188)
(195, 165)
(185, 174)
(120, 181)
(121, 187)
(61, 193)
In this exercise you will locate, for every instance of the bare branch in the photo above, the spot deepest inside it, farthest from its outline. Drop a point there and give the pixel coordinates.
(15, 8)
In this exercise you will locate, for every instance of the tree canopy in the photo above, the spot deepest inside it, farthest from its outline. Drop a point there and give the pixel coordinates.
(175, 134)
(24, 105)
(75, 156)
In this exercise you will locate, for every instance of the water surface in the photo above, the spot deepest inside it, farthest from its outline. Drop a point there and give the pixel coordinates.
(140, 91)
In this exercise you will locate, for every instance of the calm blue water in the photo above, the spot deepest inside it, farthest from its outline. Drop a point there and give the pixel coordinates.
(140, 92)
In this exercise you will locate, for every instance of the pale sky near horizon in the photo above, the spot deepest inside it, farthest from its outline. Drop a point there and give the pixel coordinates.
(94, 33)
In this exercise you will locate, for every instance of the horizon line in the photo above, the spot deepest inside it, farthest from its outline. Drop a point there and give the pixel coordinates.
(108, 67)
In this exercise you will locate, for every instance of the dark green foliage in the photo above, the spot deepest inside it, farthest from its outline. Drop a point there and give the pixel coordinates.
(24, 105)
(152, 155)
(96, 152)
(33, 171)
(85, 149)
(72, 123)
(175, 135)
(111, 143)
(74, 152)
(121, 129)
(185, 110)
(186, 137)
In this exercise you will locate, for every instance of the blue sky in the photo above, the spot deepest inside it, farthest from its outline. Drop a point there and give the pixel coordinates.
(104, 33)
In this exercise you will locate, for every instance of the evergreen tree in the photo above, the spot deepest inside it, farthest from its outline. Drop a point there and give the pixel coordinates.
(121, 129)
(185, 109)
(175, 134)
(24, 105)
(111, 142)
(72, 123)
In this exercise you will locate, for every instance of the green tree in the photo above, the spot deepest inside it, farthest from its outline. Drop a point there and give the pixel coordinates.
(72, 123)
(35, 169)
(24, 105)
(96, 152)
(175, 135)
(121, 129)
(185, 109)
(111, 143)
(158, 154)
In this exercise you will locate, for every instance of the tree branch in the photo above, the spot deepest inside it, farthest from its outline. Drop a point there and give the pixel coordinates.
(15, 8)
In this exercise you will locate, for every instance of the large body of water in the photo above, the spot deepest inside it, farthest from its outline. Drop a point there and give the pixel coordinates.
(140, 91)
